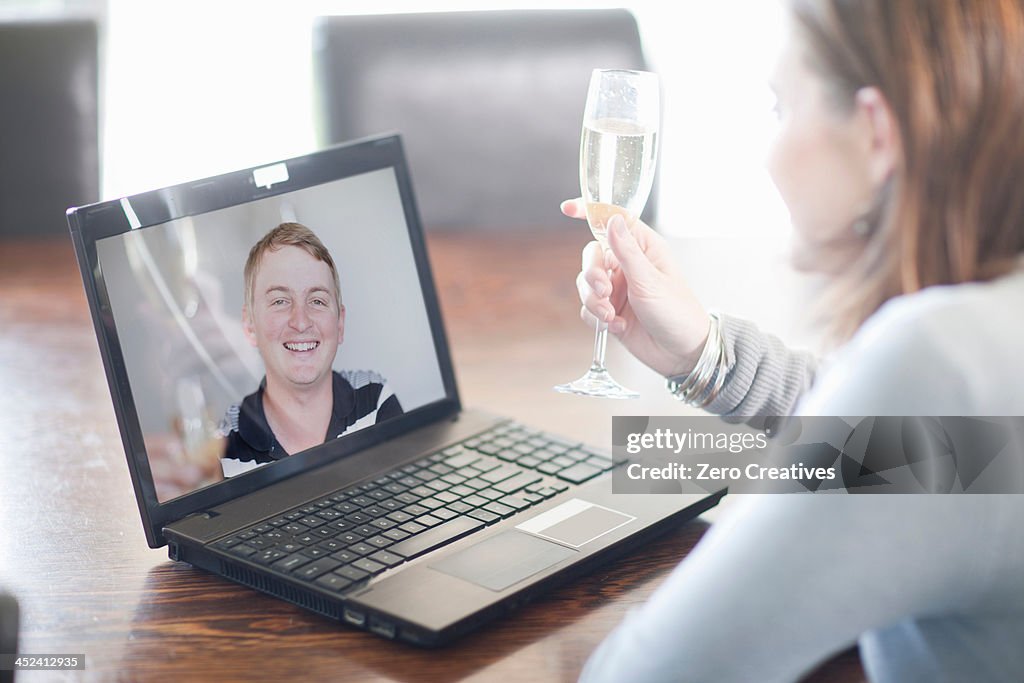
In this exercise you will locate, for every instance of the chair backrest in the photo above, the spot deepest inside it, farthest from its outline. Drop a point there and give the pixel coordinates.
(49, 123)
(8, 631)
(489, 104)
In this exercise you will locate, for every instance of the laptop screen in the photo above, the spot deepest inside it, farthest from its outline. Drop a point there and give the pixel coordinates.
(269, 328)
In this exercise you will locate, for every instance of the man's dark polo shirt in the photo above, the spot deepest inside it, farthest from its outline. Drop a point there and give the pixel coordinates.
(359, 395)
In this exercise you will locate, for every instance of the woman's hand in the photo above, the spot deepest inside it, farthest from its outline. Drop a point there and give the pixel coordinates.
(637, 290)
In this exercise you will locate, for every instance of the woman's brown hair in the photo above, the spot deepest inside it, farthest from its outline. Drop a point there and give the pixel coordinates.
(952, 72)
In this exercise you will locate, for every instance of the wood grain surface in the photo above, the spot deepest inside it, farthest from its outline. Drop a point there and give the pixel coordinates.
(72, 548)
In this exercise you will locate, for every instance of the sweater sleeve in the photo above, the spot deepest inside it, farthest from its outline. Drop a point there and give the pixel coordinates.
(764, 377)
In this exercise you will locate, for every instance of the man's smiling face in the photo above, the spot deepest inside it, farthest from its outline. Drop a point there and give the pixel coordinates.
(295, 319)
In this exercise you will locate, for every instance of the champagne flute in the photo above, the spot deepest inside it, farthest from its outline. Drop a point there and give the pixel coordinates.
(618, 153)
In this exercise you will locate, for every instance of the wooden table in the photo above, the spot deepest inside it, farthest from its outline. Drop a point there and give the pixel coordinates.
(72, 548)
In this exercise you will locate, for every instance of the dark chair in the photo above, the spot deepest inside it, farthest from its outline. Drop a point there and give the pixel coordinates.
(489, 104)
(49, 153)
(8, 631)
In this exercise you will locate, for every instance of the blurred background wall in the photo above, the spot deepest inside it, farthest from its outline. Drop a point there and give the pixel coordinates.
(197, 87)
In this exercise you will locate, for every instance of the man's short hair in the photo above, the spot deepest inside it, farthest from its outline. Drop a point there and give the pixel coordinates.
(287, 235)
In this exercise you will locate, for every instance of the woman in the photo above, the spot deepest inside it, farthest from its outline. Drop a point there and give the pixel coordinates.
(900, 156)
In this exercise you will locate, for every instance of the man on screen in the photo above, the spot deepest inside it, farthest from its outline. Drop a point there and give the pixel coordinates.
(293, 314)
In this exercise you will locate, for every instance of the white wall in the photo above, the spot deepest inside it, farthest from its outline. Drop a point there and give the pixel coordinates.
(196, 88)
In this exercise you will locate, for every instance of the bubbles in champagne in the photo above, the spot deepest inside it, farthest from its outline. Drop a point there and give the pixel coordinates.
(617, 162)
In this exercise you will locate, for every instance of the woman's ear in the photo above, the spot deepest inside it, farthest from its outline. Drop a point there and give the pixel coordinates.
(881, 135)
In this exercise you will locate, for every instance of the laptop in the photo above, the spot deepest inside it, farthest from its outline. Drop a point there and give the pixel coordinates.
(407, 497)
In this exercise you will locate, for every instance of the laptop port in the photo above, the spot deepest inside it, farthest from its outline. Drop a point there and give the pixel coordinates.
(382, 628)
(353, 617)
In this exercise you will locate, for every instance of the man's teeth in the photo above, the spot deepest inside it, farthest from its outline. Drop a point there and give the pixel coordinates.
(304, 346)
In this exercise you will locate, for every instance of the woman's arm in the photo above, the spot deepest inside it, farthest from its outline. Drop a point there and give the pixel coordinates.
(764, 376)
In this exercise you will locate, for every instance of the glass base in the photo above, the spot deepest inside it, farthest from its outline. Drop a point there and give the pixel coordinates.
(597, 383)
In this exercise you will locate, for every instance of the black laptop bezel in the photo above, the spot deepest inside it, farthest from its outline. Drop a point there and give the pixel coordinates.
(106, 219)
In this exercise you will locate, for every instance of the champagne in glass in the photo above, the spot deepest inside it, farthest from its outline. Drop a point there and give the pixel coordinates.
(618, 155)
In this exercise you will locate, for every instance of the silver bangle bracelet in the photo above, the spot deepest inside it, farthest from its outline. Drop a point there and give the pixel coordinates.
(702, 384)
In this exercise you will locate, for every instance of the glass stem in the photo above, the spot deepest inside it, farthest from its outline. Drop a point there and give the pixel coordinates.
(600, 344)
(600, 335)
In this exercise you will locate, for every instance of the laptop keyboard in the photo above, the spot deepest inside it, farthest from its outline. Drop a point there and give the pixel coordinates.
(343, 539)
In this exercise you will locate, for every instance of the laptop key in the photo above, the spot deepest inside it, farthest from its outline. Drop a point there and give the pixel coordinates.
(520, 481)
(484, 516)
(291, 562)
(549, 468)
(351, 573)
(462, 459)
(432, 519)
(442, 515)
(399, 517)
(267, 556)
(490, 494)
(499, 509)
(486, 465)
(345, 556)
(532, 498)
(315, 552)
(415, 510)
(460, 507)
(331, 545)
(318, 567)
(514, 502)
(442, 534)
(475, 501)
(334, 582)
(242, 550)
(579, 473)
(500, 474)
(362, 549)
(509, 455)
(386, 558)
(359, 518)
(380, 541)
(413, 527)
(369, 566)
(528, 461)
(396, 534)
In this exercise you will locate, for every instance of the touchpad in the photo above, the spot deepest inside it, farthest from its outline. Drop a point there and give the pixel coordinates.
(503, 560)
